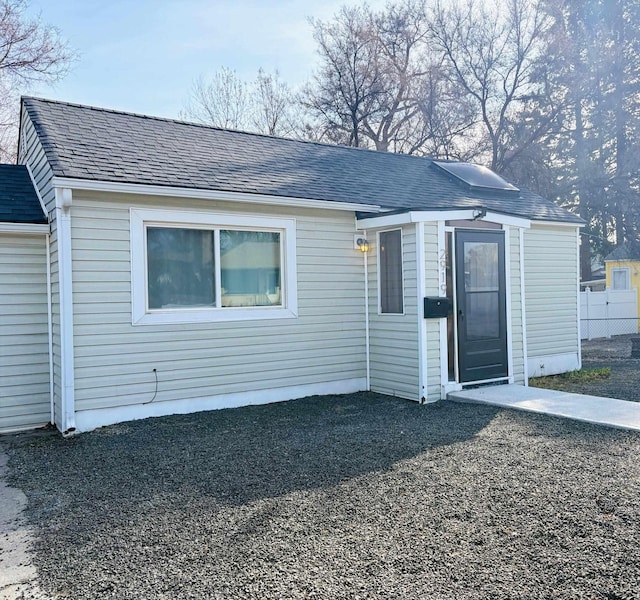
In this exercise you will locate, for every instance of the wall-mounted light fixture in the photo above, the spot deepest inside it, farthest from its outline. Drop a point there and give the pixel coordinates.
(363, 245)
(478, 213)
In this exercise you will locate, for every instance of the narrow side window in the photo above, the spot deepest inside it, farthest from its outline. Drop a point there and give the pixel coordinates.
(390, 253)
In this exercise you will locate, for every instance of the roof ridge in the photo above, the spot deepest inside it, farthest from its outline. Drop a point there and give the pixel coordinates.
(216, 128)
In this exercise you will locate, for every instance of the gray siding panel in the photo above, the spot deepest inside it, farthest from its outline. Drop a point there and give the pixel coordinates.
(24, 340)
(114, 360)
(394, 338)
(32, 154)
(432, 288)
(512, 246)
(551, 290)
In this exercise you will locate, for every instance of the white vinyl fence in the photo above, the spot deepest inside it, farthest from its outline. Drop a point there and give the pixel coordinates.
(612, 312)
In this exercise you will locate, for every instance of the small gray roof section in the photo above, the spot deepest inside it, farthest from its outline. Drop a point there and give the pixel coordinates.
(19, 202)
(626, 251)
(97, 144)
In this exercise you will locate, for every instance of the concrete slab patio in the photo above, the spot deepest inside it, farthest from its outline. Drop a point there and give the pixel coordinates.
(590, 409)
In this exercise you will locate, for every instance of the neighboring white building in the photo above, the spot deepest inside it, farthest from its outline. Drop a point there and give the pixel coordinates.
(194, 268)
(25, 370)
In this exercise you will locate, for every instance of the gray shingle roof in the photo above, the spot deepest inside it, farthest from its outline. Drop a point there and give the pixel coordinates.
(626, 251)
(98, 144)
(18, 199)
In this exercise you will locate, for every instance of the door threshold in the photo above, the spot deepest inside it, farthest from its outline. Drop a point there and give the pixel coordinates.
(486, 382)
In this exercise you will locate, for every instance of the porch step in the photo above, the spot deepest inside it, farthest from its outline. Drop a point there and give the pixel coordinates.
(591, 409)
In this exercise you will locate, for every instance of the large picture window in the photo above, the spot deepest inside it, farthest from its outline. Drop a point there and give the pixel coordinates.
(390, 261)
(198, 267)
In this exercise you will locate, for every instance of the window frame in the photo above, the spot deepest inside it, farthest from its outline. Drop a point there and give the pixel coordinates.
(142, 218)
(627, 272)
(379, 265)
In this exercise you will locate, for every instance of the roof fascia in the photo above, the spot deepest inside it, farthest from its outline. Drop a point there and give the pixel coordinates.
(37, 191)
(558, 223)
(25, 228)
(417, 216)
(19, 148)
(202, 194)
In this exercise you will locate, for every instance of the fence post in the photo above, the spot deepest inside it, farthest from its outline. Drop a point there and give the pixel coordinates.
(588, 291)
(606, 315)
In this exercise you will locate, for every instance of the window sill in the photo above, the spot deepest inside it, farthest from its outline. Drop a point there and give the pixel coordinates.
(212, 315)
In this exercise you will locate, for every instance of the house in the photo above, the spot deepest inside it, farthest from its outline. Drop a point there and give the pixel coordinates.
(25, 374)
(623, 268)
(194, 268)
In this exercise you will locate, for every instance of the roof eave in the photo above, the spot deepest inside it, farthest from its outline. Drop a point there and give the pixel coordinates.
(24, 228)
(417, 216)
(207, 194)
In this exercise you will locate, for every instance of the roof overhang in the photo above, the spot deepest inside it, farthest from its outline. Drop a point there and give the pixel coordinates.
(206, 194)
(25, 228)
(417, 216)
(559, 223)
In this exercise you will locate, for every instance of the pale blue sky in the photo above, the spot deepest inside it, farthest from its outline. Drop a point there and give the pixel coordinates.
(143, 55)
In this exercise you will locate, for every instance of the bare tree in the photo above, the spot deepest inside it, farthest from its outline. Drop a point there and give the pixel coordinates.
(491, 50)
(344, 90)
(274, 105)
(379, 84)
(224, 101)
(30, 52)
(266, 105)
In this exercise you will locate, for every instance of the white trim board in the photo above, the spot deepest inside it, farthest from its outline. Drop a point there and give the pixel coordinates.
(416, 216)
(37, 190)
(142, 217)
(553, 364)
(205, 194)
(87, 420)
(421, 290)
(508, 308)
(25, 228)
(64, 200)
(559, 224)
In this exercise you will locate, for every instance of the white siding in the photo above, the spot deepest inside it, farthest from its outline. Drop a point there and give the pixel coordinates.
(512, 246)
(394, 338)
(24, 341)
(551, 276)
(431, 261)
(114, 360)
(32, 154)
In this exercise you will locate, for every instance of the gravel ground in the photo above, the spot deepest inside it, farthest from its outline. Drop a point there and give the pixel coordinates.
(614, 353)
(357, 496)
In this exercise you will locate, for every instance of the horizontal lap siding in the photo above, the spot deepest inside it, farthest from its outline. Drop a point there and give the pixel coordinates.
(24, 341)
(432, 285)
(394, 338)
(517, 346)
(32, 154)
(551, 290)
(114, 360)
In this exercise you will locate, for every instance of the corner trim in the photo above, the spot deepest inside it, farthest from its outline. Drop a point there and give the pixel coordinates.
(523, 309)
(508, 305)
(421, 289)
(63, 199)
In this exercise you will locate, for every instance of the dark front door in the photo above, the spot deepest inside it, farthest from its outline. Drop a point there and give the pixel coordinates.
(481, 305)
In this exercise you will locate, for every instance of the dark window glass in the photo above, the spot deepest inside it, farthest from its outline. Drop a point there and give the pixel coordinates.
(180, 266)
(391, 272)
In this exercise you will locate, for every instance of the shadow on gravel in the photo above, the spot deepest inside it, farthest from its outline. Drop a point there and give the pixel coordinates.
(335, 497)
(236, 456)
